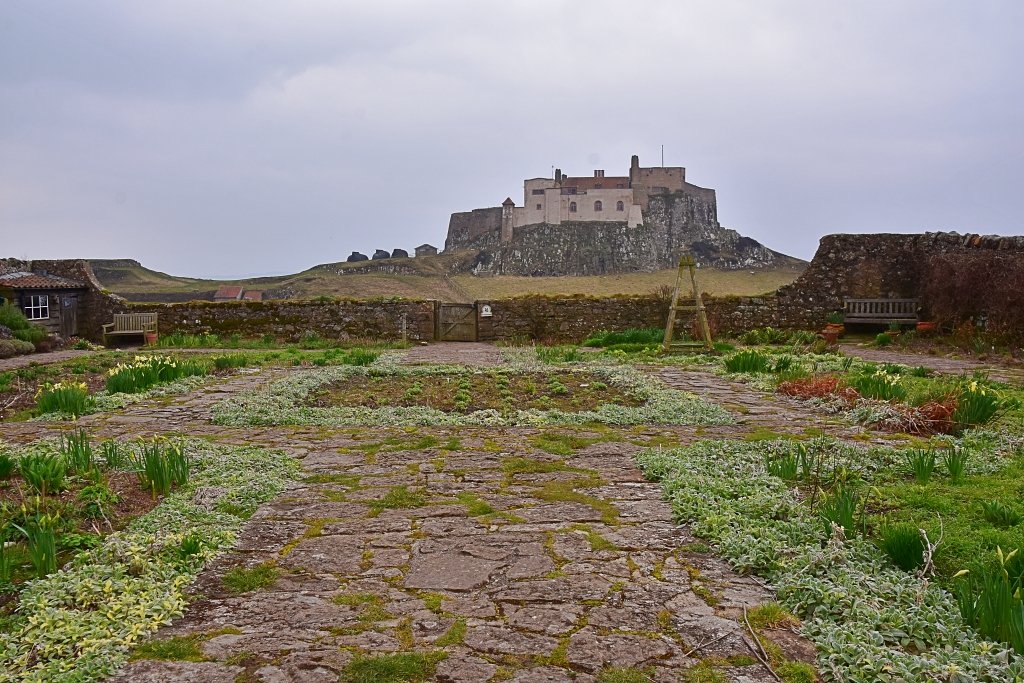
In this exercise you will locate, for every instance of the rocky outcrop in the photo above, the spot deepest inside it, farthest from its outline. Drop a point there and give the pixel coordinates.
(399, 253)
(674, 223)
(356, 256)
(380, 254)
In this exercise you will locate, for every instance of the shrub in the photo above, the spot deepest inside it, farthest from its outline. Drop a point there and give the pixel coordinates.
(903, 544)
(41, 536)
(950, 284)
(23, 330)
(15, 347)
(748, 361)
(816, 386)
(360, 357)
(7, 465)
(63, 397)
(883, 339)
(765, 335)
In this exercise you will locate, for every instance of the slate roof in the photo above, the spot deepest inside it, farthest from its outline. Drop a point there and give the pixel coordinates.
(24, 280)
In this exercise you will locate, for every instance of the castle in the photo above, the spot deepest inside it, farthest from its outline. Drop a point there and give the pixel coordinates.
(564, 198)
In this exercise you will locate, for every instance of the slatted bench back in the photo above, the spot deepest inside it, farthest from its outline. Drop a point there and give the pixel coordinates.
(135, 322)
(880, 310)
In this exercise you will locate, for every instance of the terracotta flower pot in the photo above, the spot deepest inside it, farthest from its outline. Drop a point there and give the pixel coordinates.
(830, 336)
(151, 338)
(926, 327)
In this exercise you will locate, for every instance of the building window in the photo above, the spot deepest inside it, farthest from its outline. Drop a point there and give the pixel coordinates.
(619, 206)
(538, 207)
(38, 307)
(598, 186)
(572, 207)
(541, 191)
(598, 206)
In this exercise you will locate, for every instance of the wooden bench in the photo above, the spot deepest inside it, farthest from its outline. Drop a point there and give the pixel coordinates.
(880, 311)
(130, 323)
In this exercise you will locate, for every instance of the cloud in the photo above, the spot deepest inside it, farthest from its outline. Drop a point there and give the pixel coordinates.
(227, 138)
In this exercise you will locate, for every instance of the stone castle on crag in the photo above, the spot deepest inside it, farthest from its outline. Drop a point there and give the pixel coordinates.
(583, 225)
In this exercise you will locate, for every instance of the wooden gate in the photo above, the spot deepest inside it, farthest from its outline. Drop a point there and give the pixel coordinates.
(456, 322)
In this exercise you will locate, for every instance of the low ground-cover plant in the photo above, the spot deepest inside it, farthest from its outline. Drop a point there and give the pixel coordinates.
(634, 335)
(160, 466)
(79, 622)
(870, 620)
(991, 601)
(748, 361)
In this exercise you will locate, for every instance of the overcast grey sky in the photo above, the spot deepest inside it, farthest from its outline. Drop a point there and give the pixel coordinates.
(225, 139)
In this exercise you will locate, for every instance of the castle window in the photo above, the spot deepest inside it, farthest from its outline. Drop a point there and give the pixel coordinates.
(598, 206)
(572, 207)
(538, 207)
(541, 191)
(619, 206)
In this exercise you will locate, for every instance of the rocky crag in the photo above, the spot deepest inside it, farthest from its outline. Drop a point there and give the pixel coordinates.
(673, 223)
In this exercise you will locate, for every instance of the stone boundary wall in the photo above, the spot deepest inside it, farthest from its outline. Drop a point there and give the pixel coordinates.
(572, 319)
(291, 320)
(870, 266)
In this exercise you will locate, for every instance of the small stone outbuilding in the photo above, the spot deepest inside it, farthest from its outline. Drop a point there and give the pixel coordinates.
(46, 300)
(426, 250)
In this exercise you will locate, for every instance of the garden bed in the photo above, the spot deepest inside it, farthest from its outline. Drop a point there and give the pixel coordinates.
(502, 391)
(630, 397)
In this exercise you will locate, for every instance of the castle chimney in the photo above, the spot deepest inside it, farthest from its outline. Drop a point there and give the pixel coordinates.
(558, 175)
(599, 174)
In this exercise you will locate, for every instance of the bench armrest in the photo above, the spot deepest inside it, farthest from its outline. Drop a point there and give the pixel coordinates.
(107, 326)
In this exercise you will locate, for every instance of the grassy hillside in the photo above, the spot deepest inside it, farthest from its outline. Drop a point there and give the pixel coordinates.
(424, 278)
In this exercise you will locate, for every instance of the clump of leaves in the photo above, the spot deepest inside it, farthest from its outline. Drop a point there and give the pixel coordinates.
(955, 460)
(922, 464)
(161, 466)
(880, 385)
(1000, 514)
(840, 509)
(44, 472)
(749, 361)
(990, 601)
(903, 544)
(976, 405)
(242, 580)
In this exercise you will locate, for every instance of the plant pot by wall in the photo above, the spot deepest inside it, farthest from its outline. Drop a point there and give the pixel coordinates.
(151, 338)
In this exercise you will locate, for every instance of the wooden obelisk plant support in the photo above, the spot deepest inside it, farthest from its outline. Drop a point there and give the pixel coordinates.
(687, 263)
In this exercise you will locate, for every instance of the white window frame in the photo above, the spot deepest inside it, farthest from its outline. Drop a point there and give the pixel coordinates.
(38, 307)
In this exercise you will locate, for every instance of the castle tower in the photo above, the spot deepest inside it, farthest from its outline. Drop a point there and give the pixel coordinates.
(507, 207)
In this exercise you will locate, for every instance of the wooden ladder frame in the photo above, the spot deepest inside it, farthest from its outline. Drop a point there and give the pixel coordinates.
(687, 263)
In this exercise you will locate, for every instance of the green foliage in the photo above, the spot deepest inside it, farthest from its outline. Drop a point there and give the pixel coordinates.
(604, 338)
(619, 675)
(883, 339)
(835, 318)
(43, 472)
(783, 465)
(955, 459)
(399, 497)
(558, 354)
(161, 466)
(1000, 514)
(41, 536)
(96, 500)
(840, 509)
(6, 379)
(879, 385)
(147, 371)
(402, 667)
(13, 318)
(77, 452)
(242, 580)
(176, 649)
(991, 602)
(115, 455)
(7, 465)
(976, 405)
(922, 463)
(903, 544)
(748, 361)
(234, 360)
(63, 397)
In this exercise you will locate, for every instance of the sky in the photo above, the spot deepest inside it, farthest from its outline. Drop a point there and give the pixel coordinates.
(232, 139)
